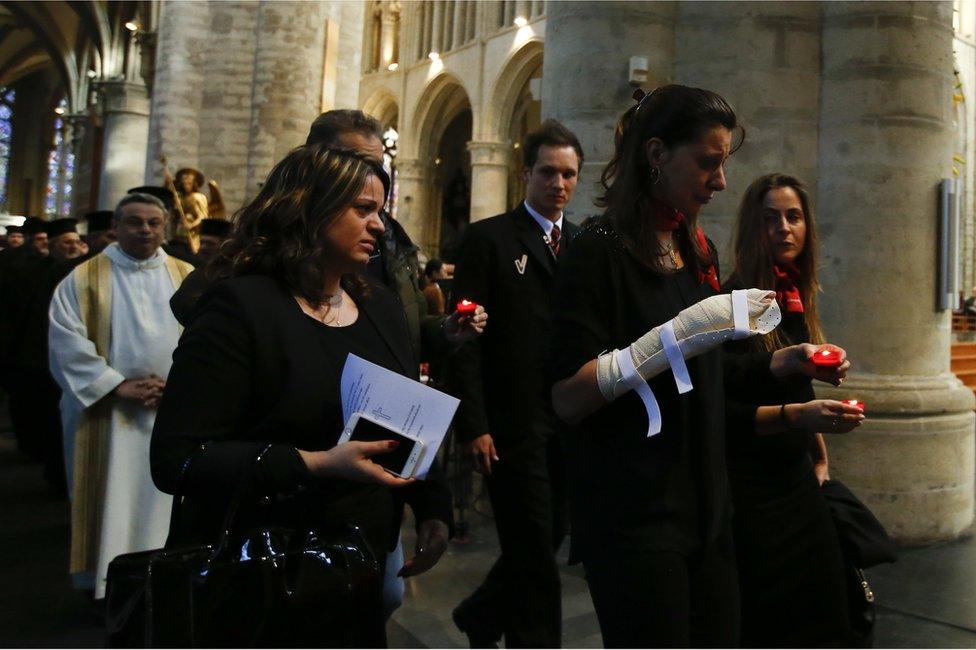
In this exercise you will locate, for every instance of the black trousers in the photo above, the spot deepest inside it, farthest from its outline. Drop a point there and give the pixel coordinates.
(521, 598)
(666, 599)
(36, 419)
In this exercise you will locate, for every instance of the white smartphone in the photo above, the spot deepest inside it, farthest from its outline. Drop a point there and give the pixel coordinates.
(402, 461)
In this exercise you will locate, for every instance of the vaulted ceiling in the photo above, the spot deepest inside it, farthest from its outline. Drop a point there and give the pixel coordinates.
(78, 38)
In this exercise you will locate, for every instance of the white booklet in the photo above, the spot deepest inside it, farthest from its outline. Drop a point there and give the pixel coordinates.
(407, 405)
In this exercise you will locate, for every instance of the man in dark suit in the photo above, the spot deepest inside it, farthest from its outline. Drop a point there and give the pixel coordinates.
(508, 265)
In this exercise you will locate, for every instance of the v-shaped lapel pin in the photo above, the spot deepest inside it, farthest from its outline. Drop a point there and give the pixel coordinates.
(520, 264)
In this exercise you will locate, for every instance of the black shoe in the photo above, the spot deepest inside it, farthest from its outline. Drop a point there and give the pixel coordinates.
(480, 634)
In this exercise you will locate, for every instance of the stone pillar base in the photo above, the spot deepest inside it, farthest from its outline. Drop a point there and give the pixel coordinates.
(912, 461)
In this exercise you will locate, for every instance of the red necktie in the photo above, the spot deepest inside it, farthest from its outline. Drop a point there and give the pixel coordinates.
(554, 240)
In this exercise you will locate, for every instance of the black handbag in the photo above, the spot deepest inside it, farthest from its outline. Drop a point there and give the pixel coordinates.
(271, 586)
(865, 543)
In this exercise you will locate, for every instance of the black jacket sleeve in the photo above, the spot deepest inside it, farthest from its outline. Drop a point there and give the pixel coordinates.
(430, 498)
(472, 281)
(200, 443)
(583, 307)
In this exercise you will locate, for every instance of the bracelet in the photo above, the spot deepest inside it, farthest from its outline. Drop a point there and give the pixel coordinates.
(782, 417)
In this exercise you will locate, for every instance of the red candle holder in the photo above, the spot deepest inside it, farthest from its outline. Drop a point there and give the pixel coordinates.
(467, 307)
(855, 403)
(827, 357)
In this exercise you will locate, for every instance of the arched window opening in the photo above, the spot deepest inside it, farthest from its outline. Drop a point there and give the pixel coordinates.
(60, 168)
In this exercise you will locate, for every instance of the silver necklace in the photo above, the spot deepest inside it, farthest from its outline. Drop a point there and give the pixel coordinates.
(334, 304)
(670, 252)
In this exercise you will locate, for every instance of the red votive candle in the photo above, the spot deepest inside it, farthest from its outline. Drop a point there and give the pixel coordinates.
(855, 403)
(826, 357)
(467, 308)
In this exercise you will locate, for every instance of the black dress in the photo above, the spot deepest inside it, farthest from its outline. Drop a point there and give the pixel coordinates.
(791, 570)
(651, 516)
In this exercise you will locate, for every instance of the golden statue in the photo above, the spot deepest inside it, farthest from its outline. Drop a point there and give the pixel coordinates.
(192, 205)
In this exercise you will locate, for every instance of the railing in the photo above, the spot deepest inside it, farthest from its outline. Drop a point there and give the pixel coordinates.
(963, 322)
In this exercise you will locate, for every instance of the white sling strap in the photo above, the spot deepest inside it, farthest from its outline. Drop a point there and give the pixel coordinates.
(634, 381)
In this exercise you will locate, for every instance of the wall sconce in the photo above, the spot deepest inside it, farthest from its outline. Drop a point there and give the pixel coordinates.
(521, 21)
(133, 26)
(393, 67)
(434, 56)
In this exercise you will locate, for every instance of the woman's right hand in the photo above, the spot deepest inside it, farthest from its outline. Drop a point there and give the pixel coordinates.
(823, 416)
(350, 460)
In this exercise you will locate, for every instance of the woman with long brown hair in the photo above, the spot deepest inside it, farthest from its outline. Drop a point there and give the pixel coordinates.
(259, 367)
(789, 558)
(650, 503)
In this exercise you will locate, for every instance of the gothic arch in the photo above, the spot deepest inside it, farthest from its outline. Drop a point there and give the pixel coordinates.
(507, 89)
(382, 105)
(443, 99)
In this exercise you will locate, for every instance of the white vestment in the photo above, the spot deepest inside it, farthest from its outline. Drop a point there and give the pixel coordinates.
(142, 338)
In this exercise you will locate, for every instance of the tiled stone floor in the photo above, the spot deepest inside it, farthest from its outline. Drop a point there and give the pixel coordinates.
(927, 599)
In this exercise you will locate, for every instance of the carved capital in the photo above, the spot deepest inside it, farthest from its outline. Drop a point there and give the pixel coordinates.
(123, 97)
(412, 169)
(493, 154)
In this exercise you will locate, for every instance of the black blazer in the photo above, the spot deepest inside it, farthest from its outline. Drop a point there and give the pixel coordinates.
(252, 369)
(506, 266)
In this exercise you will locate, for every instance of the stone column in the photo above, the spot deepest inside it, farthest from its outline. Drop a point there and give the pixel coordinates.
(387, 36)
(81, 182)
(764, 58)
(125, 139)
(885, 142)
(589, 45)
(413, 194)
(489, 178)
(287, 82)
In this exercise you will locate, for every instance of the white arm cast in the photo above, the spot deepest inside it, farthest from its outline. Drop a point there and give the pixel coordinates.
(698, 329)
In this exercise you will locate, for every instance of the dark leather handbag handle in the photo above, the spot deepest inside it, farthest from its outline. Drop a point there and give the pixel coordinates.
(230, 516)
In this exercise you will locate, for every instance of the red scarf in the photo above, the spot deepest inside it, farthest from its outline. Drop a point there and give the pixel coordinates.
(787, 293)
(665, 217)
(668, 219)
(709, 275)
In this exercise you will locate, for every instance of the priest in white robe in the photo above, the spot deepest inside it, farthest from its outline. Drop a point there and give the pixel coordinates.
(111, 341)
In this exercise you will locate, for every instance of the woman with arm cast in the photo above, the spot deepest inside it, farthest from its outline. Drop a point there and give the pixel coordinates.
(790, 567)
(650, 513)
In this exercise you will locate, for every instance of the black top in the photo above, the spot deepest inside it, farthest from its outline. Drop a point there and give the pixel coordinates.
(667, 492)
(357, 338)
(254, 369)
(763, 466)
(507, 267)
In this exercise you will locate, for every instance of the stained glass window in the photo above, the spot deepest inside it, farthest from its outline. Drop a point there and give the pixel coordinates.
(6, 115)
(60, 168)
